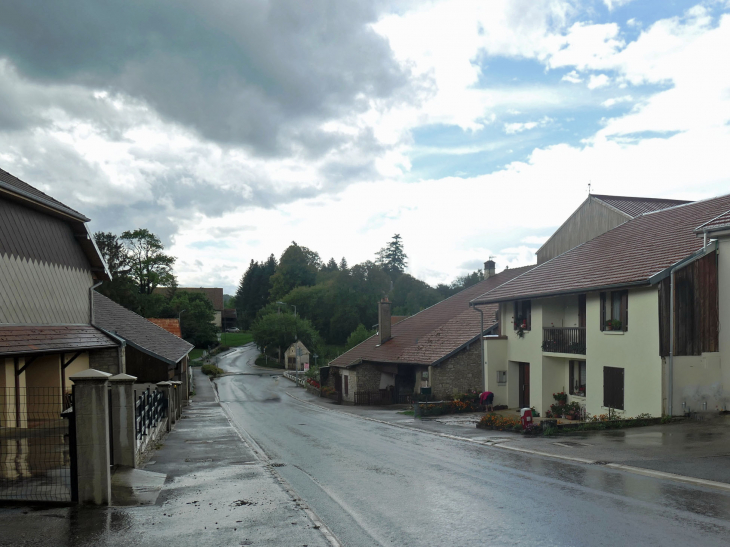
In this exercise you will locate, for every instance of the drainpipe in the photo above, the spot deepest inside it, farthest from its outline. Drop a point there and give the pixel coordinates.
(670, 372)
(91, 302)
(481, 346)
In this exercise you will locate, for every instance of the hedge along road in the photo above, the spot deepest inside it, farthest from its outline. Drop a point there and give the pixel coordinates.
(373, 484)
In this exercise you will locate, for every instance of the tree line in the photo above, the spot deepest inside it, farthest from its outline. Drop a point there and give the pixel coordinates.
(138, 265)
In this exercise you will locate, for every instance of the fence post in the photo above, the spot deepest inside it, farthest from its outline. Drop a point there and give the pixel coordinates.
(177, 388)
(91, 408)
(166, 389)
(124, 430)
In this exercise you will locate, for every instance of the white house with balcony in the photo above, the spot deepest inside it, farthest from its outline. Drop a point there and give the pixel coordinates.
(629, 320)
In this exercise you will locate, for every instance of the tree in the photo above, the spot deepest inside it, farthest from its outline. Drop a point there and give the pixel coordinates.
(331, 266)
(358, 336)
(411, 295)
(150, 267)
(343, 264)
(253, 290)
(392, 258)
(122, 288)
(297, 267)
(280, 330)
(196, 323)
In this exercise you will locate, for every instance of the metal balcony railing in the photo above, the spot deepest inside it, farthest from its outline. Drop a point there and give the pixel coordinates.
(564, 340)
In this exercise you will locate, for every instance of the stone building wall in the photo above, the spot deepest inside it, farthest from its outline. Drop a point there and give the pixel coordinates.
(368, 378)
(105, 360)
(458, 374)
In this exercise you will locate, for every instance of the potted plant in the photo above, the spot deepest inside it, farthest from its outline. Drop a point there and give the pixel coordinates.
(616, 324)
(609, 325)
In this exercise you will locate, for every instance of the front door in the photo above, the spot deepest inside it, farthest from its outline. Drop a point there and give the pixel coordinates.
(524, 385)
(338, 383)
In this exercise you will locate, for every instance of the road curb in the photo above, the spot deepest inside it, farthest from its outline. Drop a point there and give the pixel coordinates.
(617, 466)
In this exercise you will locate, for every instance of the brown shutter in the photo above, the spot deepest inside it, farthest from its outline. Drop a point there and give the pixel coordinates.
(625, 310)
(571, 375)
(516, 314)
(582, 310)
(602, 320)
(529, 314)
(613, 387)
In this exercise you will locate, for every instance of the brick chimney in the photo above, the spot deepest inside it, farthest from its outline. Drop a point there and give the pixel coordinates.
(384, 320)
(489, 266)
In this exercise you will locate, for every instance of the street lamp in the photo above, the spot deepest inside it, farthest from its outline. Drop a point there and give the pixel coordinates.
(292, 305)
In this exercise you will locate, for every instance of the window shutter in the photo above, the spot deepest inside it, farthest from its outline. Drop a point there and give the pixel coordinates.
(602, 320)
(625, 310)
(528, 305)
(571, 365)
(582, 310)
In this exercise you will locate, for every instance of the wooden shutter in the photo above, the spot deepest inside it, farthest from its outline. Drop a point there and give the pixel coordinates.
(516, 314)
(613, 387)
(625, 310)
(582, 310)
(571, 375)
(528, 306)
(602, 319)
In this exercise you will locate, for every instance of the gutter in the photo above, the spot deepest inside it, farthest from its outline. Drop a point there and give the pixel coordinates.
(42, 201)
(562, 293)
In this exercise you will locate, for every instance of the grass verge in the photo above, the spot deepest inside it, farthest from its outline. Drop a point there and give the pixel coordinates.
(235, 339)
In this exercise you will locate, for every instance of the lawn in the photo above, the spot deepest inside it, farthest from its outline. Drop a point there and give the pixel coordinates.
(196, 354)
(233, 339)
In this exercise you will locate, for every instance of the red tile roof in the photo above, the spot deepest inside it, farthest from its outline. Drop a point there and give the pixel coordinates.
(638, 206)
(433, 333)
(26, 339)
(721, 222)
(170, 325)
(630, 254)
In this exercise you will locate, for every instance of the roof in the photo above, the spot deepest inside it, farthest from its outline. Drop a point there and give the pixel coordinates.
(721, 222)
(138, 331)
(434, 333)
(229, 313)
(635, 207)
(11, 183)
(630, 254)
(214, 294)
(25, 339)
(170, 325)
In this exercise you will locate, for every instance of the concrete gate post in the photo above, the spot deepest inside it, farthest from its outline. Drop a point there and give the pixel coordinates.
(166, 389)
(91, 410)
(177, 388)
(124, 432)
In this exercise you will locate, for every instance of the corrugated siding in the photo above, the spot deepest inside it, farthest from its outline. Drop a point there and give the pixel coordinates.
(26, 233)
(37, 293)
(696, 327)
(588, 221)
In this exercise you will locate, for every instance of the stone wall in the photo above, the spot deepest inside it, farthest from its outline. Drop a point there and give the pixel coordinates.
(105, 360)
(368, 378)
(458, 374)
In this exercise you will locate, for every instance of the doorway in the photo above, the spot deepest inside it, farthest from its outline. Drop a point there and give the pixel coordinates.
(524, 387)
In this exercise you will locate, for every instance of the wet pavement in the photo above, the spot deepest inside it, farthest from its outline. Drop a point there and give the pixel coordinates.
(217, 492)
(376, 484)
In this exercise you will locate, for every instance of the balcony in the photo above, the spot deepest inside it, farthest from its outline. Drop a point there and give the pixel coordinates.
(564, 340)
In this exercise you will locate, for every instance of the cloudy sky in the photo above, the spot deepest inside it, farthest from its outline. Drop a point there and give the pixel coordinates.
(470, 127)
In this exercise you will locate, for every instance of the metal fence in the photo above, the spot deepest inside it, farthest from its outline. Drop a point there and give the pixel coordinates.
(564, 340)
(35, 464)
(150, 407)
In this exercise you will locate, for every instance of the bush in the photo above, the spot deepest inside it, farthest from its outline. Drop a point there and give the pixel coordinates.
(212, 370)
(500, 423)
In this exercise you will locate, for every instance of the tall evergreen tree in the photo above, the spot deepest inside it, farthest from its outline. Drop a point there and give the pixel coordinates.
(253, 290)
(392, 258)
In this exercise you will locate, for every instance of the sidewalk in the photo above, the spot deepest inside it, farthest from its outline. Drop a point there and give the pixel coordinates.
(700, 450)
(216, 493)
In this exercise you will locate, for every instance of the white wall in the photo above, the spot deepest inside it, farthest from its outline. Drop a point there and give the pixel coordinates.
(495, 359)
(723, 267)
(526, 350)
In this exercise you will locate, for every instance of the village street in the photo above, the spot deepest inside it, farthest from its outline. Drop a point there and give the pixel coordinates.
(374, 484)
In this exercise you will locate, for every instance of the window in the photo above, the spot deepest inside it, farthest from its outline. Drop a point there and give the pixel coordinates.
(615, 311)
(613, 387)
(523, 314)
(502, 377)
(577, 378)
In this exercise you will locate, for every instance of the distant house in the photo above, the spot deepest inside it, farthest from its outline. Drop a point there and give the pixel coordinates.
(229, 317)
(296, 356)
(170, 325)
(214, 294)
(153, 354)
(435, 350)
(48, 265)
(597, 215)
(629, 320)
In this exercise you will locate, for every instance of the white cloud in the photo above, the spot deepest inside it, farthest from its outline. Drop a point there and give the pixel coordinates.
(573, 77)
(613, 4)
(518, 127)
(608, 103)
(598, 80)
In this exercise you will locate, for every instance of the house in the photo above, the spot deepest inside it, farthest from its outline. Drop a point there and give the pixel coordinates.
(229, 317)
(170, 325)
(628, 320)
(435, 350)
(214, 294)
(49, 264)
(296, 357)
(595, 216)
(153, 354)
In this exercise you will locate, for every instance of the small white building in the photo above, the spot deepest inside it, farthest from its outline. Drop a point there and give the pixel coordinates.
(296, 357)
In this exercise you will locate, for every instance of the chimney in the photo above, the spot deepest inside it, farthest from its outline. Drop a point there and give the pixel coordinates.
(489, 266)
(384, 320)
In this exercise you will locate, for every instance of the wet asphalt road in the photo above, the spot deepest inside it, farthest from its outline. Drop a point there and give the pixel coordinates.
(373, 484)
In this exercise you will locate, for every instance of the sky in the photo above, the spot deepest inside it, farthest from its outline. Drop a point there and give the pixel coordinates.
(472, 128)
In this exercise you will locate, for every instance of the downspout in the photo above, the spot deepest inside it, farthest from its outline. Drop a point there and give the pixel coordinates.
(91, 302)
(670, 371)
(481, 345)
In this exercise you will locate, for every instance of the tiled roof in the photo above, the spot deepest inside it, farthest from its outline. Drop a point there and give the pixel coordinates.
(638, 206)
(170, 325)
(25, 339)
(629, 254)
(214, 294)
(138, 331)
(433, 333)
(721, 222)
(14, 184)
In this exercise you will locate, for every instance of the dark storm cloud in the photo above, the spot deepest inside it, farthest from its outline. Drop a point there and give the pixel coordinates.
(253, 73)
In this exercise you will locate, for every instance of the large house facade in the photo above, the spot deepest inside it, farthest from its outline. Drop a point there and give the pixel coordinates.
(629, 320)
